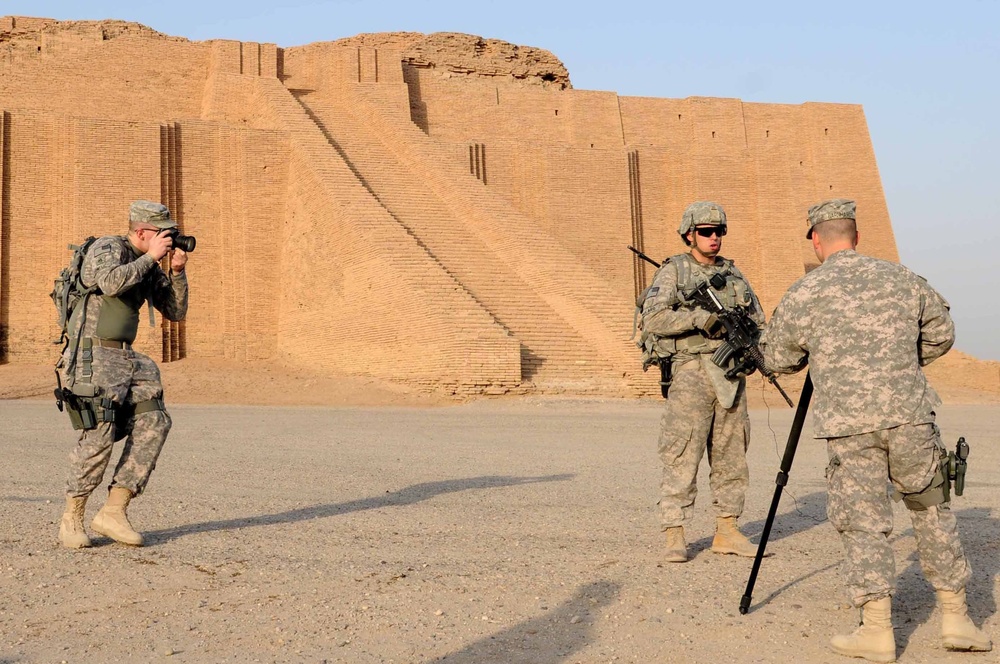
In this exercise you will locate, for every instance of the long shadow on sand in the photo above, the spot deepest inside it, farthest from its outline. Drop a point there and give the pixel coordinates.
(407, 496)
(552, 637)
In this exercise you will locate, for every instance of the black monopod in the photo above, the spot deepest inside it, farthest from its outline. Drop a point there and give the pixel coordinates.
(780, 481)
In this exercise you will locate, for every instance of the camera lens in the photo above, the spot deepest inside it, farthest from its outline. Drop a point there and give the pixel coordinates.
(183, 242)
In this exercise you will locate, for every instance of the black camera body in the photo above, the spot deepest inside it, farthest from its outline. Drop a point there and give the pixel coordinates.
(184, 242)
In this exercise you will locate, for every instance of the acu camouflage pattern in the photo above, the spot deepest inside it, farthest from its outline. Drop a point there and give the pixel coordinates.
(704, 410)
(154, 214)
(128, 378)
(676, 323)
(860, 509)
(695, 421)
(836, 208)
(124, 375)
(113, 264)
(865, 327)
(701, 213)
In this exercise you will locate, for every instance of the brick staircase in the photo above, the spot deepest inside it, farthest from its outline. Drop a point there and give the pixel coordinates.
(375, 248)
(373, 120)
(563, 346)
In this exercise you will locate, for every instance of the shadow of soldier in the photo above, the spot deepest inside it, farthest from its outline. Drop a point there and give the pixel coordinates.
(914, 600)
(552, 637)
(407, 496)
(807, 512)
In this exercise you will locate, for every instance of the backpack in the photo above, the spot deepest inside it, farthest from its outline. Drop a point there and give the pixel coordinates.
(68, 295)
(657, 349)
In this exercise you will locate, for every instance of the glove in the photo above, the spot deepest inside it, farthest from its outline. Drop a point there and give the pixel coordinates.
(712, 327)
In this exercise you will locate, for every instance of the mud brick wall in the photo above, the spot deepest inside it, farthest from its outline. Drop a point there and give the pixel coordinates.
(359, 212)
(765, 163)
(64, 179)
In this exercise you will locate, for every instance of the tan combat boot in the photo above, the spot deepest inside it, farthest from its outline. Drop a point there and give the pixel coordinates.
(958, 632)
(728, 538)
(874, 639)
(111, 521)
(676, 545)
(72, 534)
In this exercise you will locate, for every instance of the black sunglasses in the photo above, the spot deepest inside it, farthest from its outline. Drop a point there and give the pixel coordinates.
(710, 231)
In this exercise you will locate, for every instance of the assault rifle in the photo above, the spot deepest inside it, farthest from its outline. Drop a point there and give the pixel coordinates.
(642, 256)
(741, 333)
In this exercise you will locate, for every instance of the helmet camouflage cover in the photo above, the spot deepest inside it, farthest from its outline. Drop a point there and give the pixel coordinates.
(701, 213)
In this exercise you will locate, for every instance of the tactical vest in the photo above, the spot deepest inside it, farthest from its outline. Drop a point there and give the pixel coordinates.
(736, 294)
(118, 316)
(117, 320)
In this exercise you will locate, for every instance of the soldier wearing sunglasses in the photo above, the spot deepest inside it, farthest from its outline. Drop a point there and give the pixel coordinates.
(705, 411)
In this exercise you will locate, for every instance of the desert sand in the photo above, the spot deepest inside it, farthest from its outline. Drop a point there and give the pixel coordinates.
(510, 530)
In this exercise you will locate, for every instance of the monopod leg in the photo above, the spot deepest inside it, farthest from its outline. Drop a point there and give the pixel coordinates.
(780, 481)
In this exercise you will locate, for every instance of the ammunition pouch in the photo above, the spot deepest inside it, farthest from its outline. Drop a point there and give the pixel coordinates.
(698, 343)
(656, 350)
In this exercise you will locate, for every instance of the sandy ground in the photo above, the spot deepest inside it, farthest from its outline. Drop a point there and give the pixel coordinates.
(497, 531)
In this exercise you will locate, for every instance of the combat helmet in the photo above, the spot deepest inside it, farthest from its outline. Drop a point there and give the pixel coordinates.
(701, 213)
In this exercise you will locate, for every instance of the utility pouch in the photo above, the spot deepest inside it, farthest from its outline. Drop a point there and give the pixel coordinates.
(80, 409)
(85, 409)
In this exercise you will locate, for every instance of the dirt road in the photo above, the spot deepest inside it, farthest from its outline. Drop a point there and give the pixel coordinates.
(506, 531)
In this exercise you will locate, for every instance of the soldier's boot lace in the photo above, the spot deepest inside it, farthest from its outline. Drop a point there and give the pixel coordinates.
(112, 521)
(873, 639)
(72, 533)
(728, 538)
(676, 545)
(958, 632)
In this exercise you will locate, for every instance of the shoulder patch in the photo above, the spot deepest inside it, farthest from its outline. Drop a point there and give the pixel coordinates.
(103, 249)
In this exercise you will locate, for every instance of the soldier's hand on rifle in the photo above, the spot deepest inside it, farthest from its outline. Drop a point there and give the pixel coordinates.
(159, 245)
(711, 326)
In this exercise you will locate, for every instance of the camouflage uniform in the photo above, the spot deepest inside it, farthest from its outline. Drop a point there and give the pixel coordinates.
(127, 279)
(704, 410)
(866, 327)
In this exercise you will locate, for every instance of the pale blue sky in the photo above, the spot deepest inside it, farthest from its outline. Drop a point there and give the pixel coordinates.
(926, 73)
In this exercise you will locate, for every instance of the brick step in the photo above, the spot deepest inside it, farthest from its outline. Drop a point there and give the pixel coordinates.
(330, 185)
(509, 232)
(511, 301)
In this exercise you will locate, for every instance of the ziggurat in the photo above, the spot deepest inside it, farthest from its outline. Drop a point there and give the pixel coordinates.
(440, 210)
